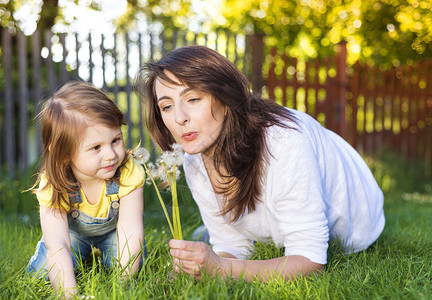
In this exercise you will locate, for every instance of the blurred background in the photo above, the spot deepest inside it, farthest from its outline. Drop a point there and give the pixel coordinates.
(361, 68)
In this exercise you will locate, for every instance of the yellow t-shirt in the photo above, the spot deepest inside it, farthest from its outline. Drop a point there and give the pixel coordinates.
(132, 176)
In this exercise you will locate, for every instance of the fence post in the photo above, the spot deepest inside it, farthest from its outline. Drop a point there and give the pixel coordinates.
(23, 101)
(257, 62)
(342, 88)
(9, 102)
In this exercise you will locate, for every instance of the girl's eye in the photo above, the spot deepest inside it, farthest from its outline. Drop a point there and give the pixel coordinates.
(115, 140)
(96, 147)
(194, 100)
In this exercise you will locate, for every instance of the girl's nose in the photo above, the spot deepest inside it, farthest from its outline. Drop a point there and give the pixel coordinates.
(110, 154)
(181, 115)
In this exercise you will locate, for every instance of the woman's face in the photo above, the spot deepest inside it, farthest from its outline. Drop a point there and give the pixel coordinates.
(193, 117)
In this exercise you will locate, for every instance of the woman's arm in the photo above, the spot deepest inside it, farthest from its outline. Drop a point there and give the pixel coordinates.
(196, 258)
(130, 231)
(55, 231)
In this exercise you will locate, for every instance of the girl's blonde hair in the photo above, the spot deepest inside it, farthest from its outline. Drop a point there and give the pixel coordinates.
(63, 119)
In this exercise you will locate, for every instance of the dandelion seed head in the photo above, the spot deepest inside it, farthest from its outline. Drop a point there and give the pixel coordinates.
(175, 157)
(141, 155)
(168, 158)
(153, 170)
(161, 173)
(177, 147)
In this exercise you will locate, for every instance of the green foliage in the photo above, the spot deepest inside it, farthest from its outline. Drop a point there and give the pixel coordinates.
(7, 9)
(49, 12)
(14, 197)
(172, 14)
(396, 175)
(383, 32)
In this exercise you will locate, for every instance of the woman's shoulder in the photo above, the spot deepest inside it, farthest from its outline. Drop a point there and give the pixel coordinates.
(299, 124)
(288, 129)
(193, 166)
(192, 159)
(296, 137)
(192, 162)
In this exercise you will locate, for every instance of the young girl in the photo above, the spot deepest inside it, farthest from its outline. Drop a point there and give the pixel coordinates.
(258, 171)
(90, 189)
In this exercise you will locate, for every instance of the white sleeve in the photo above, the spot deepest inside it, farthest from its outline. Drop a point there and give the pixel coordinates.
(296, 192)
(223, 236)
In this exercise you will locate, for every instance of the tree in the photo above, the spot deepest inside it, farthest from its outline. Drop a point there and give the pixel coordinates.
(7, 20)
(385, 32)
(171, 14)
(46, 13)
(381, 31)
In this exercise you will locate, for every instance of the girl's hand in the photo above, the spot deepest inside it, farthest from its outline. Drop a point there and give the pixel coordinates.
(194, 258)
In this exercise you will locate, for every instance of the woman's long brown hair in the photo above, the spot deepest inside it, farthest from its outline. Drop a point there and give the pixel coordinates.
(63, 119)
(241, 148)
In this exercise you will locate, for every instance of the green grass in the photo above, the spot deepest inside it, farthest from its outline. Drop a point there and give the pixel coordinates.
(397, 266)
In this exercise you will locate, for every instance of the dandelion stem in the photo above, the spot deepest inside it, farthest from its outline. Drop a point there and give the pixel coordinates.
(160, 199)
(168, 169)
(176, 211)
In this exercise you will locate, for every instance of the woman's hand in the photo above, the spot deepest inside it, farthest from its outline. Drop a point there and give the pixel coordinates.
(194, 258)
(197, 258)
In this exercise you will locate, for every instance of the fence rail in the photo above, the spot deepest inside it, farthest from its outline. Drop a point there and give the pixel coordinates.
(368, 107)
(33, 67)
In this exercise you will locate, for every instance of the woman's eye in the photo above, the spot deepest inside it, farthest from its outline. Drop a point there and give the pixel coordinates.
(166, 107)
(194, 100)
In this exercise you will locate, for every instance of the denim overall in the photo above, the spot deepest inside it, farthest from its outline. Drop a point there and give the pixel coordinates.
(86, 231)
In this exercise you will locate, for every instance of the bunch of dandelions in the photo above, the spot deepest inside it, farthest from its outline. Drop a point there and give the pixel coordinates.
(166, 169)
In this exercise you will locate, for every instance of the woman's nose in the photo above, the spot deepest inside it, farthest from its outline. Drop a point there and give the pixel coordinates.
(181, 115)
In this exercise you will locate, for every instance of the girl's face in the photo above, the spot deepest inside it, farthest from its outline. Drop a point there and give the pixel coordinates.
(194, 118)
(99, 154)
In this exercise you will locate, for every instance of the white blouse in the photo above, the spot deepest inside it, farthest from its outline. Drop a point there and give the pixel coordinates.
(316, 187)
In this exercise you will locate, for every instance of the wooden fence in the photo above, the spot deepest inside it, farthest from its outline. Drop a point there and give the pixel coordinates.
(370, 108)
(33, 67)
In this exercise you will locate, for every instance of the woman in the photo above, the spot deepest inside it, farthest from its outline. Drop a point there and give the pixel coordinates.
(258, 171)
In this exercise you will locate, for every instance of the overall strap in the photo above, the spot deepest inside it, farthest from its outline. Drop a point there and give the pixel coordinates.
(76, 197)
(112, 187)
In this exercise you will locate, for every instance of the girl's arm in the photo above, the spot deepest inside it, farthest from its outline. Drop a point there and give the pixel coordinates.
(55, 231)
(130, 231)
(196, 258)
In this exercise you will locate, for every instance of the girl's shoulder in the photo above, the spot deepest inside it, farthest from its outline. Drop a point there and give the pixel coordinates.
(132, 170)
(44, 190)
(44, 194)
